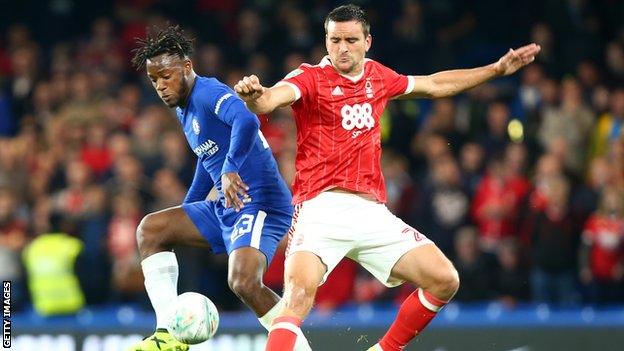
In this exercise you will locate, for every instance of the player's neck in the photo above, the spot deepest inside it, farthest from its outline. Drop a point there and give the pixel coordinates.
(189, 89)
(352, 73)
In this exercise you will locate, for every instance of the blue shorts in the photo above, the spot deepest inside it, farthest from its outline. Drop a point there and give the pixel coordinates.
(226, 230)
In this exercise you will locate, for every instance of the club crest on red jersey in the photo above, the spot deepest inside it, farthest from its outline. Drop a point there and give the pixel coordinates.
(368, 87)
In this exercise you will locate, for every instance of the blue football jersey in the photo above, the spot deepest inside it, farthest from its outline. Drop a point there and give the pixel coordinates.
(208, 118)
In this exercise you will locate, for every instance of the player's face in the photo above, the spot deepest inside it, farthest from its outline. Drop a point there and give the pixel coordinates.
(347, 45)
(169, 75)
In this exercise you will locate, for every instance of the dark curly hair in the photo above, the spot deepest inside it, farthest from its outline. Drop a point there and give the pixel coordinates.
(171, 40)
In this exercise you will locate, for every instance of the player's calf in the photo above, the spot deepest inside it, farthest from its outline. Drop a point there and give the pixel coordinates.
(304, 272)
(438, 282)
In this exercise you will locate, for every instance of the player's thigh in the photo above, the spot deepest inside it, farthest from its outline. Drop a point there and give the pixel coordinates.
(383, 241)
(319, 227)
(258, 228)
(202, 225)
(170, 226)
(425, 266)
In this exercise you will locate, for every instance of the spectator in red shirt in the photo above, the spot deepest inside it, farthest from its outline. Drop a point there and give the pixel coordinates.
(602, 249)
(497, 202)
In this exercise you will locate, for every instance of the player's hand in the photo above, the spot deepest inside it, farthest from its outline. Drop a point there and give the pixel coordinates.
(234, 190)
(513, 60)
(249, 88)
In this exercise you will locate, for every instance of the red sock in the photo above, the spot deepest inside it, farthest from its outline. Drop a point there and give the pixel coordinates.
(282, 336)
(415, 313)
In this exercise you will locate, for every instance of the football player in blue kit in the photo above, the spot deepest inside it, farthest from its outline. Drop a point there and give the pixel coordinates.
(253, 208)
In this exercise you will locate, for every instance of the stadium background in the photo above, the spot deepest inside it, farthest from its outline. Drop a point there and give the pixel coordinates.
(520, 180)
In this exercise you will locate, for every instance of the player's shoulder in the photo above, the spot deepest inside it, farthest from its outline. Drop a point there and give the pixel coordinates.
(210, 84)
(210, 89)
(302, 69)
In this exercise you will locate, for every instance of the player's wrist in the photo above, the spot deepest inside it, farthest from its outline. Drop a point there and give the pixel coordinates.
(496, 69)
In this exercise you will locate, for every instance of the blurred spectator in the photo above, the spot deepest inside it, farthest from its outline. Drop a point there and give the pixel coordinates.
(471, 160)
(51, 260)
(512, 276)
(176, 157)
(585, 199)
(475, 267)
(128, 177)
(441, 121)
(497, 202)
(526, 104)
(95, 152)
(602, 249)
(444, 204)
(568, 125)
(495, 137)
(13, 238)
(614, 58)
(167, 189)
(127, 278)
(549, 233)
(400, 189)
(608, 128)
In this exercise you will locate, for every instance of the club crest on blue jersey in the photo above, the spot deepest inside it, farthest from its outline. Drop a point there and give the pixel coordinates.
(195, 126)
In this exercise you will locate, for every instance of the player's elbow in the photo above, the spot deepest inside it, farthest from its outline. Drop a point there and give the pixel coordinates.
(439, 91)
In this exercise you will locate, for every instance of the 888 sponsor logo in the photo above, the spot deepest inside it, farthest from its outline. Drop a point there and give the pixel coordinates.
(357, 116)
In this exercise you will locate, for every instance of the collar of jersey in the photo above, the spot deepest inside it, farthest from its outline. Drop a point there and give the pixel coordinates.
(326, 61)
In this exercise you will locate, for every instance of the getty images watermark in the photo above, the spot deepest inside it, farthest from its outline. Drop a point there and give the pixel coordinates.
(6, 314)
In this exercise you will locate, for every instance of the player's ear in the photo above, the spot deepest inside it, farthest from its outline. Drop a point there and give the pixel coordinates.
(188, 66)
(369, 42)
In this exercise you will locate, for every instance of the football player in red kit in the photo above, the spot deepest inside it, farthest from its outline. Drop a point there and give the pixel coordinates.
(339, 191)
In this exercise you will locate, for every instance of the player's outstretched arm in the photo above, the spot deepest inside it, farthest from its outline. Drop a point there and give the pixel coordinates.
(448, 83)
(260, 99)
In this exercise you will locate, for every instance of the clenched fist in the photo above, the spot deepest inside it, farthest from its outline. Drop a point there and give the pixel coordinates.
(249, 88)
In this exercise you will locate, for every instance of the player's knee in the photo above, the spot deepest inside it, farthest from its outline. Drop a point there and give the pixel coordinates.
(299, 292)
(244, 285)
(151, 231)
(447, 283)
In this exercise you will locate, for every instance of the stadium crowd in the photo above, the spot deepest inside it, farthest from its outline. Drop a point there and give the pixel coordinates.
(520, 181)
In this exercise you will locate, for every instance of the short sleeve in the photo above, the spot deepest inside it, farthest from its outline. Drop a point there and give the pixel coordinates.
(396, 84)
(301, 80)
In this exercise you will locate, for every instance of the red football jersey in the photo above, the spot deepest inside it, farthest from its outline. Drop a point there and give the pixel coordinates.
(338, 134)
(606, 237)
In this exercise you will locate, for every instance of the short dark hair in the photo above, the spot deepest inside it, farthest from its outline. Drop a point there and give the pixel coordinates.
(171, 40)
(346, 13)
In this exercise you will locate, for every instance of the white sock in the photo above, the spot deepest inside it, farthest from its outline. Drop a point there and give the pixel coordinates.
(267, 320)
(268, 317)
(161, 282)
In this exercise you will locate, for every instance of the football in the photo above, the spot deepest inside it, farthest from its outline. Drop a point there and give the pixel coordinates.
(195, 319)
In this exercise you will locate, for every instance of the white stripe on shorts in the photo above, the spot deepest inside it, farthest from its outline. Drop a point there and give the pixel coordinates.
(257, 230)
